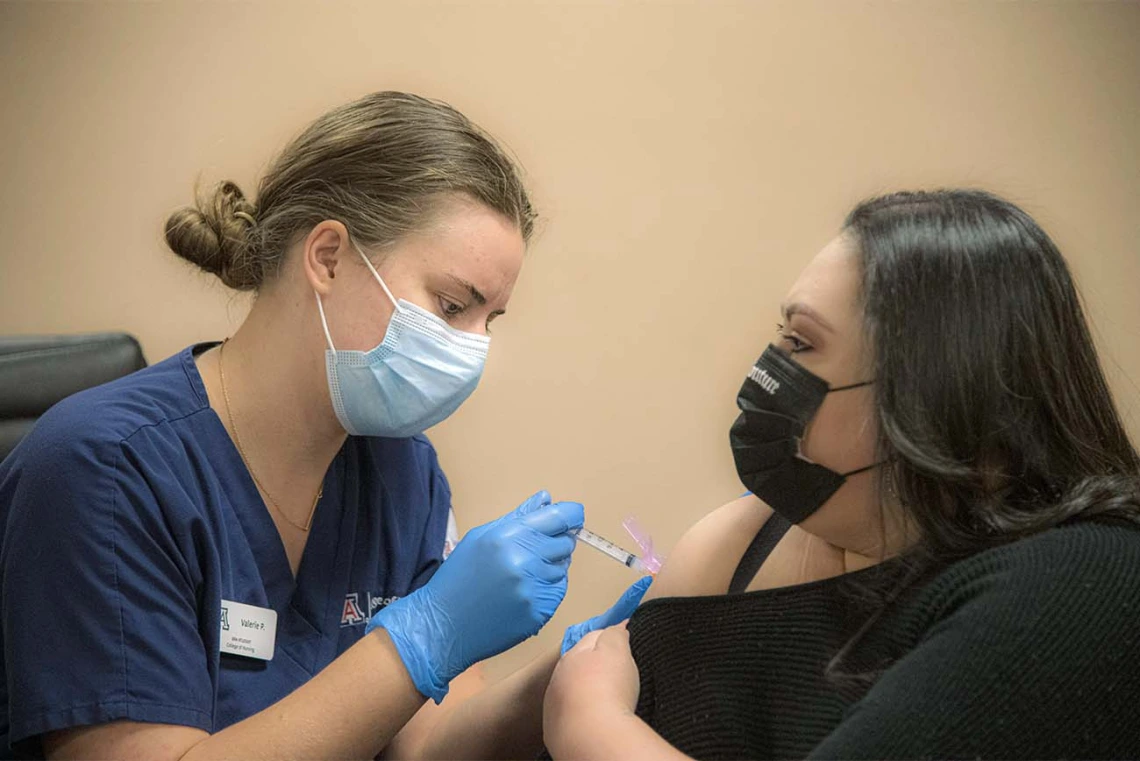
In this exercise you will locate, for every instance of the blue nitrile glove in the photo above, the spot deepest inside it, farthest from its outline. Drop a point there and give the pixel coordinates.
(621, 610)
(500, 585)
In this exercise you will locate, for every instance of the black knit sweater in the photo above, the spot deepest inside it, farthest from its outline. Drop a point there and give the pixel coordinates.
(1031, 650)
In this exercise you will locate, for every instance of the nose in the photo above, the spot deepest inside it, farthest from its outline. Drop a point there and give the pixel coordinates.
(476, 324)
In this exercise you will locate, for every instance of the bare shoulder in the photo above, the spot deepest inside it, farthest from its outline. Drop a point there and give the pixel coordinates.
(703, 561)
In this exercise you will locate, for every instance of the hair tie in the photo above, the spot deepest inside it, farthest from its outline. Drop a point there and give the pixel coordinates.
(247, 217)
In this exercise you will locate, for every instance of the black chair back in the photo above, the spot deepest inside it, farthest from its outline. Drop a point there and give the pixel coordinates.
(38, 371)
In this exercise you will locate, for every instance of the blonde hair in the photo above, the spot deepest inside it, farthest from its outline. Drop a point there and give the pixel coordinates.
(382, 165)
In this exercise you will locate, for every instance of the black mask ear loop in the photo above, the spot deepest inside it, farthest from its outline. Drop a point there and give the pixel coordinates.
(864, 469)
(850, 385)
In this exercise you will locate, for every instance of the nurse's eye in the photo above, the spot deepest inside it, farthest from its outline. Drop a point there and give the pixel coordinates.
(450, 308)
(794, 343)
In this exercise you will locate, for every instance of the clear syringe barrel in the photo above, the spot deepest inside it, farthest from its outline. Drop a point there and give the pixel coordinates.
(628, 559)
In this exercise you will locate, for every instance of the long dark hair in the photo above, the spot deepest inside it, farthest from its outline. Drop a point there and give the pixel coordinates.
(993, 410)
(995, 419)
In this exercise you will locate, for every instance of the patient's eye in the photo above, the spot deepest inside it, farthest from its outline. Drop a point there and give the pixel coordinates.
(791, 341)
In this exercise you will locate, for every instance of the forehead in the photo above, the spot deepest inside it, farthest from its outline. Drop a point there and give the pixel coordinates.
(830, 283)
(473, 243)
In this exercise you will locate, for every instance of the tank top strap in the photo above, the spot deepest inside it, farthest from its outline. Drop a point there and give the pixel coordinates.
(758, 551)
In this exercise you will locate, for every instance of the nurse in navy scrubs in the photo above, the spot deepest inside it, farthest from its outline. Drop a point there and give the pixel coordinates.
(238, 552)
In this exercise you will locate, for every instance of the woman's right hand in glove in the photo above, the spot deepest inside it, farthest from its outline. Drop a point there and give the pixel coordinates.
(499, 586)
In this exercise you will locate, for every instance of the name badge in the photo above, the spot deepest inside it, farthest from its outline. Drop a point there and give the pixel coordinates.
(248, 630)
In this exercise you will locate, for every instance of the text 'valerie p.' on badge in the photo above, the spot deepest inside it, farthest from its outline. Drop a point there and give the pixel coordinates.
(248, 630)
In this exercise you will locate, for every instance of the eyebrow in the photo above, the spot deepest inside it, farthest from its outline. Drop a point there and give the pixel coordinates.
(806, 311)
(476, 294)
(480, 299)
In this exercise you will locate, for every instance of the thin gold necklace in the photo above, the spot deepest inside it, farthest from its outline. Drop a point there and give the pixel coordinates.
(248, 466)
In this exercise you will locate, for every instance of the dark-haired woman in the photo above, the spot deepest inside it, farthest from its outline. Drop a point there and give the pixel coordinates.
(191, 556)
(941, 558)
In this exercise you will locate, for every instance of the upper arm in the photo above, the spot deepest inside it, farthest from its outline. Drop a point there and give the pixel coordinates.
(703, 561)
(98, 605)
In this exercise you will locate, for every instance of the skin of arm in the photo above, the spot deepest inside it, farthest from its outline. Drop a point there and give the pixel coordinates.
(705, 558)
(589, 707)
(332, 715)
(617, 735)
(591, 700)
(505, 720)
(351, 709)
(502, 721)
(410, 742)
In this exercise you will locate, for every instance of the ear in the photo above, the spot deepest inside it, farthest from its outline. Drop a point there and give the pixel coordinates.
(324, 253)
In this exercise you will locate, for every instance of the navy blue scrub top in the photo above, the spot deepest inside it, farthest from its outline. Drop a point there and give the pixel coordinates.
(128, 516)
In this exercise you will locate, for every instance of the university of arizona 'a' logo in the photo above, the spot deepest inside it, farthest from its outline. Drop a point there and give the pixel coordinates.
(354, 614)
(225, 619)
(351, 614)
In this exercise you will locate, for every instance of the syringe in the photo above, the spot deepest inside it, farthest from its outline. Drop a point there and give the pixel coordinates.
(628, 559)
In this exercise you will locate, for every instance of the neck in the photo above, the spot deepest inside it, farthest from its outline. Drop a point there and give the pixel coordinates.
(893, 541)
(856, 561)
(278, 398)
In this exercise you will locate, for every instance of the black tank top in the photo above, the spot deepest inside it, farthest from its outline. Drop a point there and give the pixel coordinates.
(1028, 650)
(742, 675)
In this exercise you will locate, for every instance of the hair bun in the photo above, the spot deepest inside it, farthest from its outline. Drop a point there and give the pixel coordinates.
(215, 235)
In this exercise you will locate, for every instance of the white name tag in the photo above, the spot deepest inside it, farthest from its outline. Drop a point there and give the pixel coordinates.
(248, 630)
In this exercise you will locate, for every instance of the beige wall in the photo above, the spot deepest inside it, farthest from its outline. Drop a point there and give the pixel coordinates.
(688, 158)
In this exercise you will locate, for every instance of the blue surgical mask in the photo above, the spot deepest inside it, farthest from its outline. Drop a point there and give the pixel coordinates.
(419, 374)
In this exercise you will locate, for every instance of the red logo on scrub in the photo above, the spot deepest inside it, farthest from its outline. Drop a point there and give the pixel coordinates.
(351, 614)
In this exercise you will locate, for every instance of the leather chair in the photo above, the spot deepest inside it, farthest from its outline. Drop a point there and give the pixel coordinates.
(38, 371)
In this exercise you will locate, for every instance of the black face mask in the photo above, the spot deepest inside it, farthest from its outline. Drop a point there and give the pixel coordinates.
(778, 399)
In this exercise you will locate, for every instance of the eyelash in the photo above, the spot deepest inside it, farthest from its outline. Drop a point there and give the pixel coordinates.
(445, 302)
(798, 345)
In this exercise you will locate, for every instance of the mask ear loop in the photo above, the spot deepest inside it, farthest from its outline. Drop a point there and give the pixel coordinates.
(850, 385)
(379, 279)
(857, 471)
(324, 322)
(800, 441)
